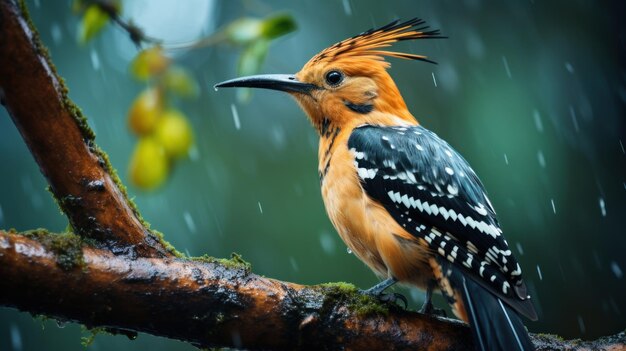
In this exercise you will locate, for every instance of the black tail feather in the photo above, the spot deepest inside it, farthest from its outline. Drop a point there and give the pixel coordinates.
(495, 325)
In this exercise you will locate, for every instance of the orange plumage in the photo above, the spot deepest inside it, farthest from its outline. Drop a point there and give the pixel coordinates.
(402, 199)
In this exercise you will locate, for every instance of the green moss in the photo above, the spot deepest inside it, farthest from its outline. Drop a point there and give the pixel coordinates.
(88, 135)
(235, 262)
(90, 335)
(363, 305)
(67, 247)
(550, 336)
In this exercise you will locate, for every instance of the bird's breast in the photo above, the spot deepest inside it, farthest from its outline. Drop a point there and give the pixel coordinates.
(364, 225)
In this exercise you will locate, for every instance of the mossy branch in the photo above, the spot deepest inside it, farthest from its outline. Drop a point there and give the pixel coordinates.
(205, 302)
(114, 273)
(81, 178)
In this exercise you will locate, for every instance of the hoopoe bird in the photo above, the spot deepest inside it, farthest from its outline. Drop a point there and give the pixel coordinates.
(401, 198)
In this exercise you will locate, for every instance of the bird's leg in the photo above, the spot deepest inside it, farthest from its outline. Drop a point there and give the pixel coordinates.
(427, 307)
(378, 292)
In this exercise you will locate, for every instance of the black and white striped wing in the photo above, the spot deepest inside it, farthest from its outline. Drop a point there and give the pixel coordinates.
(432, 192)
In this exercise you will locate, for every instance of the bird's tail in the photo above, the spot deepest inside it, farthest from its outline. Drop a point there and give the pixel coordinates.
(495, 326)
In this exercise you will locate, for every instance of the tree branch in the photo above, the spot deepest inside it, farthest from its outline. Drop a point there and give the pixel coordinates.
(79, 174)
(129, 280)
(207, 303)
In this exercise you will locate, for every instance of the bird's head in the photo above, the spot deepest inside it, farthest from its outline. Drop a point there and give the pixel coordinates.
(348, 80)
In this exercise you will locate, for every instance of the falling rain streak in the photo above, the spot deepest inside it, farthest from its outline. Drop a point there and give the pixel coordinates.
(506, 66)
(233, 109)
(260, 207)
(538, 123)
(539, 273)
(191, 225)
(616, 270)
(506, 159)
(574, 119)
(602, 207)
(347, 8)
(541, 159)
(553, 207)
(434, 79)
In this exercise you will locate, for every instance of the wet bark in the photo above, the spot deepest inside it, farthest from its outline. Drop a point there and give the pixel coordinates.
(127, 280)
(60, 141)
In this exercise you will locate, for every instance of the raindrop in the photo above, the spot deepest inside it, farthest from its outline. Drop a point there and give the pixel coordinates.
(622, 146)
(553, 207)
(347, 8)
(616, 270)
(194, 153)
(581, 324)
(349, 251)
(294, 264)
(602, 207)
(187, 252)
(506, 66)
(574, 119)
(327, 242)
(95, 60)
(215, 88)
(191, 225)
(538, 123)
(434, 79)
(569, 67)
(520, 248)
(56, 32)
(506, 159)
(260, 208)
(233, 109)
(16, 338)
(541, 159)
(278, 136)
(539, 273)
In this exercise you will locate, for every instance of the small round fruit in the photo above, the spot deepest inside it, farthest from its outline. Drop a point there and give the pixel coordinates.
(149, 165)
(145, 112)
(174, 133)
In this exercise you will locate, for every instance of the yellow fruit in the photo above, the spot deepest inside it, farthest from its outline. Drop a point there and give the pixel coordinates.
(145, 112)
(174, 133)
(149, 63)
(149, 165)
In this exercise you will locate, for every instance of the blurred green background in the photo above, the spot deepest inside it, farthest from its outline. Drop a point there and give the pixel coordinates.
(532, 93)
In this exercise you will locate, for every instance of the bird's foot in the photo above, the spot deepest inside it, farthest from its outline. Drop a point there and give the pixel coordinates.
(429, 309)
(393, 298)
(377, 291)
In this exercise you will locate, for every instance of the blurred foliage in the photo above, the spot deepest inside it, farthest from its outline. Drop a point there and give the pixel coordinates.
(93, 17)
(165, 133)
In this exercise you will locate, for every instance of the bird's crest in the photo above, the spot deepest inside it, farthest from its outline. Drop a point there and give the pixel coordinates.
(368, 44)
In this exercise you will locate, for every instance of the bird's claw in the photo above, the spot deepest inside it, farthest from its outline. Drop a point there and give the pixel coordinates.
(431, 310)
(388, 297)
(394, 298)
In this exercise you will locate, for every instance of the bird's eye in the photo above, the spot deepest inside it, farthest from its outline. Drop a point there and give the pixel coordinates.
(333, 78)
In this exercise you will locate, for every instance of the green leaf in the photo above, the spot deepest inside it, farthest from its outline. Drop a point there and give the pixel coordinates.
(250, 62)
(277, 25)
(92, 23)
(244, 31)
(179, 81)
(252, 57)
(149, 63)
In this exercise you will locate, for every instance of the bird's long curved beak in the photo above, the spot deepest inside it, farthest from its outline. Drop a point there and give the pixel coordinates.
(282, 82)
